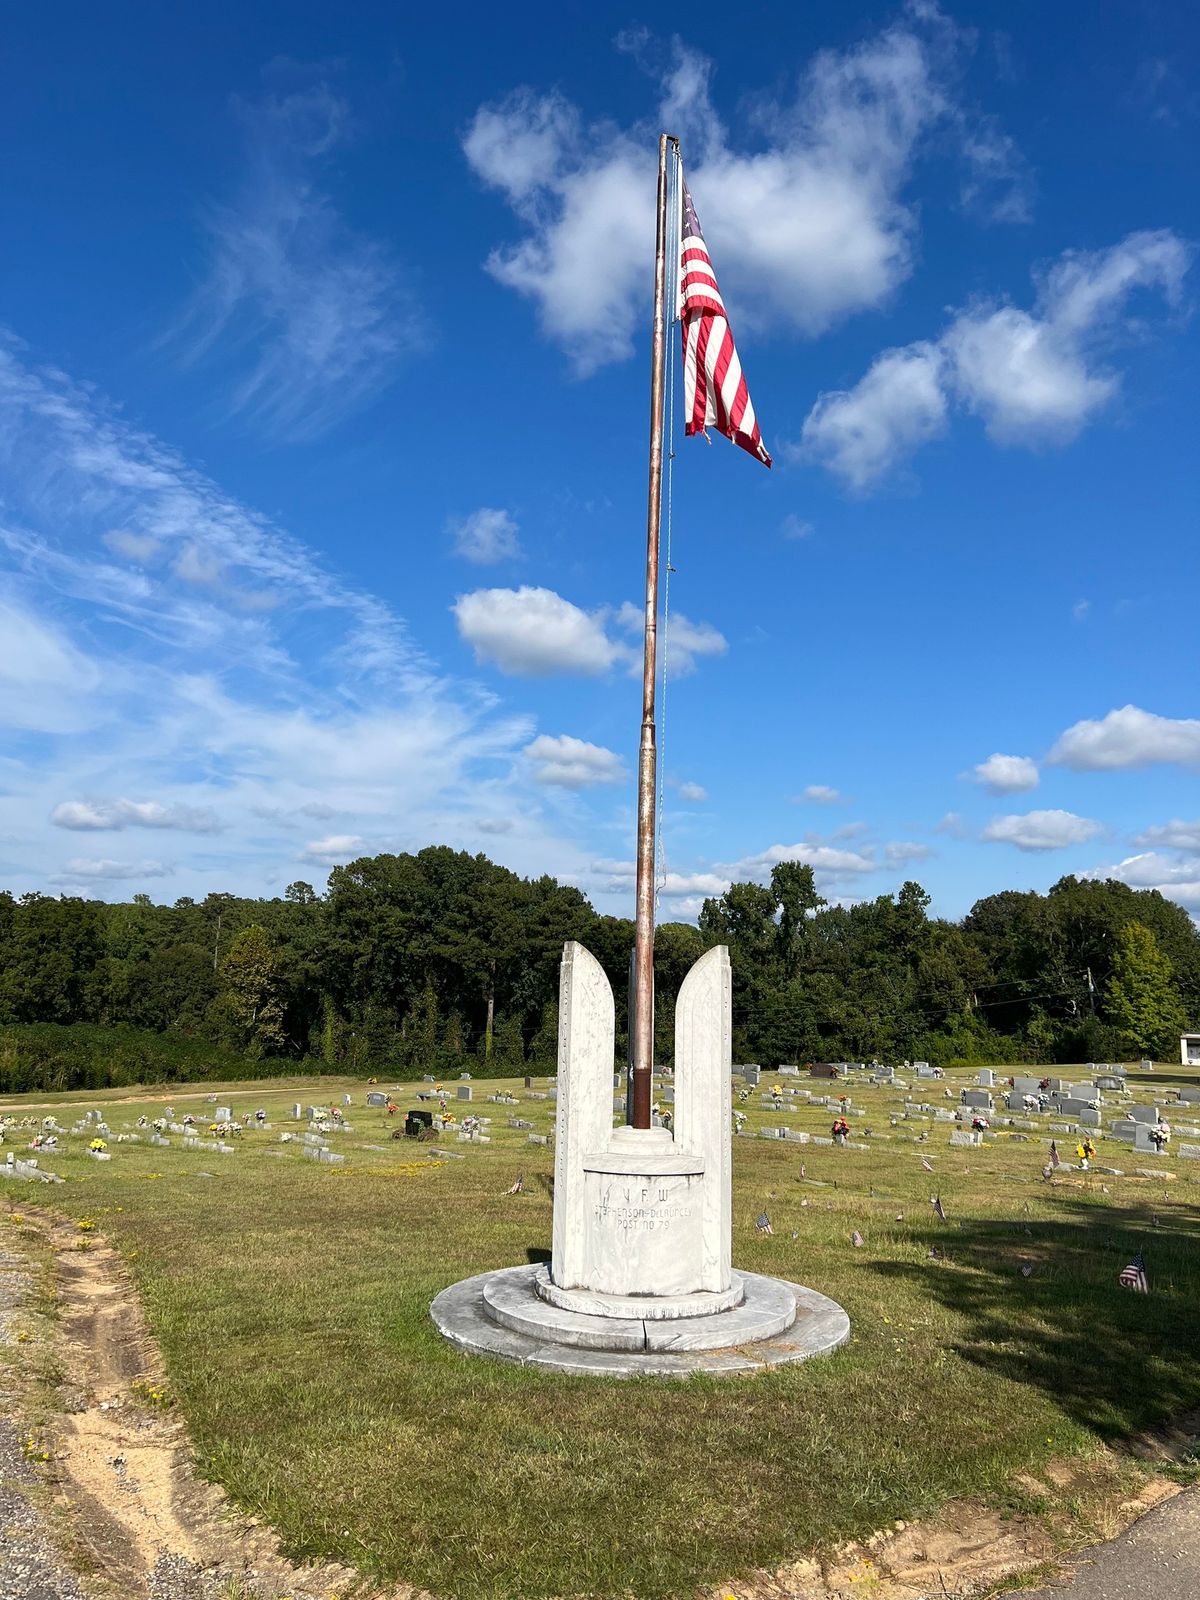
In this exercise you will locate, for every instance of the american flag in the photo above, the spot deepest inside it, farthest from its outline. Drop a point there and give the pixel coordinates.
(938, 1209)
(1053, 1153)
(714, 387)
(764, 1223)
(1134, 1276)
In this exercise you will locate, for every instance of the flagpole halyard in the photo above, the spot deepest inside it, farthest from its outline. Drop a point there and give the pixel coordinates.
(643, 947)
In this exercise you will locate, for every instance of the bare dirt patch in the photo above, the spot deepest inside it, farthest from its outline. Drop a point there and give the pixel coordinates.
(135, 1508)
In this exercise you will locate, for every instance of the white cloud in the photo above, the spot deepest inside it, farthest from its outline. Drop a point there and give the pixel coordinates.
(806, 229)
(1035, 378)
(533, 633)
(1080, 610)
(495, 824)
(683, 641)
(87, 869)
(334, 850)
(485, 537)
(691, 887)
(1174, 835)
(156, 687)
(195, 565)
(138, 547)
(45, 681)
(824, 859)
(997, 185)
(1128, 737)
(820, 794)
(901, 851)
(72, 464)
(1177, 879)
(1042, 830)
(618, 873)
(861, 433)
(1005, 774)
(953, 824)
(113, 815)
(675, 884)
(850, 830)
(568, 763)
(693, 793)
(795, 527)
(320, 308)
(1029, 383)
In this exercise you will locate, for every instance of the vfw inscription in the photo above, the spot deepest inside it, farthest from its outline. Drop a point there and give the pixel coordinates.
(647, 1207)
(633, 1219)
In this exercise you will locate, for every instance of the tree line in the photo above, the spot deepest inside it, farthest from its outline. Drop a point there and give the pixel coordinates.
(443, 961)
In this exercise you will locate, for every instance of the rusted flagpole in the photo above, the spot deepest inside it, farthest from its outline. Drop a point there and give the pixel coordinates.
(643, 947)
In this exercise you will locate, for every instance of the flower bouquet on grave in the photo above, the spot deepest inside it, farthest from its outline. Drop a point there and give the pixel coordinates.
(97, 1145)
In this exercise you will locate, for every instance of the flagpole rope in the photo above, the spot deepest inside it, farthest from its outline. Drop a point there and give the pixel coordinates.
(661, 876)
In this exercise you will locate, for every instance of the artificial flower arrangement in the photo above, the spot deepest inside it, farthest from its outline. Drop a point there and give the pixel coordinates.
(98, 1144)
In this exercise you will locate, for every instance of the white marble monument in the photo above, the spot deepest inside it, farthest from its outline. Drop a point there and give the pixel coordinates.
(640, 1278)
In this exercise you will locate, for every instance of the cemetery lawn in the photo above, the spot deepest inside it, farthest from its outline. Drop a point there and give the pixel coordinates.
(290, 1301)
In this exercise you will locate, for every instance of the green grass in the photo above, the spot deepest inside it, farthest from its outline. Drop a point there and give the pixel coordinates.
(291, 1304)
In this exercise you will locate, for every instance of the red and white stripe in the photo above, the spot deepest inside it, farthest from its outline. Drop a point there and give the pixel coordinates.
(714, 387)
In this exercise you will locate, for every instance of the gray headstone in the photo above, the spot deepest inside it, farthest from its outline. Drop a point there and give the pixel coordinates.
(1149, 1114)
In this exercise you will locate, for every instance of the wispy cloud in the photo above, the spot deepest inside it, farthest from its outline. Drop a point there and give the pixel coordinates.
(139, 691)
(313, 318)
(181, 561)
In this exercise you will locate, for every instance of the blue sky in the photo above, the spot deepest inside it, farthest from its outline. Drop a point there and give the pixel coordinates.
(323, 383)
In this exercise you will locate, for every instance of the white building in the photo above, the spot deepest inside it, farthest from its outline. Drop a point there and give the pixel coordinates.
(1189, 1049)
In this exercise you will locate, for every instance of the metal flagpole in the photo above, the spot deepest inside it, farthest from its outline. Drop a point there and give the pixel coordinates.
(643, 947)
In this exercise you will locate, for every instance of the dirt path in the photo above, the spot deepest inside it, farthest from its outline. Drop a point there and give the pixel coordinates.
(118, 1490)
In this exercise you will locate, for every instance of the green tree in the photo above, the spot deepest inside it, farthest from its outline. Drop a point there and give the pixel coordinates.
(251, 991)
(1142, 1001)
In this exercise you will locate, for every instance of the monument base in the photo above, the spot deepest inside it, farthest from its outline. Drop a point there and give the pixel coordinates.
(502, 1314)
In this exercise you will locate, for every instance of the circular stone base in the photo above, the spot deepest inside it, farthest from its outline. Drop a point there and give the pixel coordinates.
(640, 1307)
(499, 1314)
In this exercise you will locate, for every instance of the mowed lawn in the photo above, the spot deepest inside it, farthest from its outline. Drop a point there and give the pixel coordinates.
(291, 1302)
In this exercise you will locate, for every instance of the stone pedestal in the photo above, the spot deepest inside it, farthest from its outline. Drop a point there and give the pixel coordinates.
(640, 1278)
